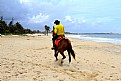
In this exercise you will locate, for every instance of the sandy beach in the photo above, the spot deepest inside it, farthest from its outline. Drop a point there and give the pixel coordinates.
(30, 58)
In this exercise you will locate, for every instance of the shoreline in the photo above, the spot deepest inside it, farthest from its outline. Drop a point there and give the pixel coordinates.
(96, 39)
(29, 58)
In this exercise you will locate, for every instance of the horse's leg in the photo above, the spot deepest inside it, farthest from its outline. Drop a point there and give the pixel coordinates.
(62, 53)
(56, 54)
(69, 56)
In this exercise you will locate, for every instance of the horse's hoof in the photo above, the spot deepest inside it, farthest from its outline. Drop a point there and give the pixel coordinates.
(63, 57)
(52, 48)
(62, 61)
(56, 60)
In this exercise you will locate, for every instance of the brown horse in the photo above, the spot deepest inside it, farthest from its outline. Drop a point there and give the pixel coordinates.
(64, 45)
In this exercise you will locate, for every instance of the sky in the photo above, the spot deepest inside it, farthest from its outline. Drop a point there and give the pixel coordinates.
(78, 16)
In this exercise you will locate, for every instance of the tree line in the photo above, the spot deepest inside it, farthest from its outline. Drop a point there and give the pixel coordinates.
(12, 28)
(16, 28)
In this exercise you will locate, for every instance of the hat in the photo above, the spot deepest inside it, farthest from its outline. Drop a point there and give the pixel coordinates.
(56, 22)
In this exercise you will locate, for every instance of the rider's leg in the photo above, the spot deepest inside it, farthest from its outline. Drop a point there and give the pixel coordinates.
(56, 54)
(53, 41)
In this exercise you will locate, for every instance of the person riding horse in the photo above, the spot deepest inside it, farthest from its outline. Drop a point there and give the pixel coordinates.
(60, 43)
(58, 31)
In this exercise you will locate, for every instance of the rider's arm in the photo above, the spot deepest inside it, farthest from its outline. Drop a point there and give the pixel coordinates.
(55, 30)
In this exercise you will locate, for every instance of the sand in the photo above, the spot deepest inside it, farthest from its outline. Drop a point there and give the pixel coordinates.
(30, 58)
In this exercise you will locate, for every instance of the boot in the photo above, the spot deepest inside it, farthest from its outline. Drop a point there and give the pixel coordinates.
(52, 48)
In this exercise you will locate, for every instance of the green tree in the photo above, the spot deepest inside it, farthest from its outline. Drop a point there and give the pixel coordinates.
(1, 19)
(11, 27)
(3, 26)
(18, 28)
(47, 29)
(26, 31)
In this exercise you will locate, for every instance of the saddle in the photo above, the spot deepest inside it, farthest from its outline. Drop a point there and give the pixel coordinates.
(59, 39)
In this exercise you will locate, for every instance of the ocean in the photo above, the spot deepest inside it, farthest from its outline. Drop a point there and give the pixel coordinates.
(99, 37)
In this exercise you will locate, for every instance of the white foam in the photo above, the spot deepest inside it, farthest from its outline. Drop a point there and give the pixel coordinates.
(97, 39)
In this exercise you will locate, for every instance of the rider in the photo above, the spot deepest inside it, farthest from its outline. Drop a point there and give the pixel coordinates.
(58, 30)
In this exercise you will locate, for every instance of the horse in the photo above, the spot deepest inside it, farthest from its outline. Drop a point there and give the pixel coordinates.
(63, 45)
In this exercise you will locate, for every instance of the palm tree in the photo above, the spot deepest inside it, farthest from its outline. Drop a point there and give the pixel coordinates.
(47, 29)
(11, 26)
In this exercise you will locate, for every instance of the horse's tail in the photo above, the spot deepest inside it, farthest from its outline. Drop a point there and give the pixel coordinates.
(71, 50)
(72, 53)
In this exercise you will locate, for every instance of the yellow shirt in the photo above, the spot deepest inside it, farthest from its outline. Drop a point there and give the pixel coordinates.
(59, 29)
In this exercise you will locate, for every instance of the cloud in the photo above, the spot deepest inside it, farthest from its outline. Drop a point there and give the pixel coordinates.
(39, 18)
(74, 14)
(12, 9)
(101, 21)
(24, 1)
(104, 19)
(75, 20)
(68, 18)
(88, 21)
(41, 1)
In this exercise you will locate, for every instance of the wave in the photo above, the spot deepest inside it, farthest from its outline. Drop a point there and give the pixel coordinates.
(97, 39)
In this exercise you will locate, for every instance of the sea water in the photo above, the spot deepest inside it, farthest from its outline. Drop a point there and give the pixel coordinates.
(99, 37)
